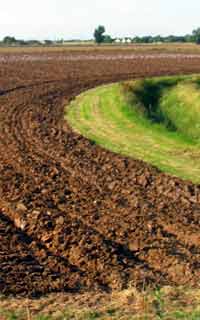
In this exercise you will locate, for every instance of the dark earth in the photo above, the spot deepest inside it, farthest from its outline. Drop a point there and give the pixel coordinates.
(74, 216)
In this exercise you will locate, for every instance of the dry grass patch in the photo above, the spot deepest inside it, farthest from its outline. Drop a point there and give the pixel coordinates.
(166, 303)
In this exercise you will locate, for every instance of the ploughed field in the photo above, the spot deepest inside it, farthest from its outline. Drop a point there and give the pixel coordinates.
(73, 215)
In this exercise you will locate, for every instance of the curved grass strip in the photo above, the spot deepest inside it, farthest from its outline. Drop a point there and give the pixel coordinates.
(145, 119)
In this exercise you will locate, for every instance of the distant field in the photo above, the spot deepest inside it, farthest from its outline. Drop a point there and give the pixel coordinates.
(136, 48)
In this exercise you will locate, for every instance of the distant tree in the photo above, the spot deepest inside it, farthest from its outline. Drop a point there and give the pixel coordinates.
(99, 34)
(157, 38)
(146, 39)
(48, 42)
(136, 40)
(9, 40)
(20, 43)
(189, 38)
(33, 42)
(108, 39)
(196, 34)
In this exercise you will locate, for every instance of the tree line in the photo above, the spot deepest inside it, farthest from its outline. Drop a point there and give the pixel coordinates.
(101, 37)
(12, 41)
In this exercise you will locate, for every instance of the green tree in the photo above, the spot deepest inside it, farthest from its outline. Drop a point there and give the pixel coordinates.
(9, 40)
(99, 34)
(108, 39)
(196, 34)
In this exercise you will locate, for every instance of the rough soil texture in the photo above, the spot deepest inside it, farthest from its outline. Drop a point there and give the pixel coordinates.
(73, 215)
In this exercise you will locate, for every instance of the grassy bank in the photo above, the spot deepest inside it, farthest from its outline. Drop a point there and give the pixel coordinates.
(156, 120)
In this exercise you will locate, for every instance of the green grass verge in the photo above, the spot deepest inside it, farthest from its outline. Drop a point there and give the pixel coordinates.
(156, 120)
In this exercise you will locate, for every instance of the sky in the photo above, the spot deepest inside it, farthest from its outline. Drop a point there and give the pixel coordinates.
(77, 19)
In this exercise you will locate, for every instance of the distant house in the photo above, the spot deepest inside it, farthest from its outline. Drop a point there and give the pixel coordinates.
(128, 40)
(118, 40)
(123, 40)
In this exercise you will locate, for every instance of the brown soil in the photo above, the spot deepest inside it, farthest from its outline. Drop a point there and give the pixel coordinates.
(73, 215)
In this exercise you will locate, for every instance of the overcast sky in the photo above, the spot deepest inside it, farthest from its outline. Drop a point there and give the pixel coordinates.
(55, 19)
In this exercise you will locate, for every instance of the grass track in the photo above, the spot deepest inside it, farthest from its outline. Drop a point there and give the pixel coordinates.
(113, 117)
